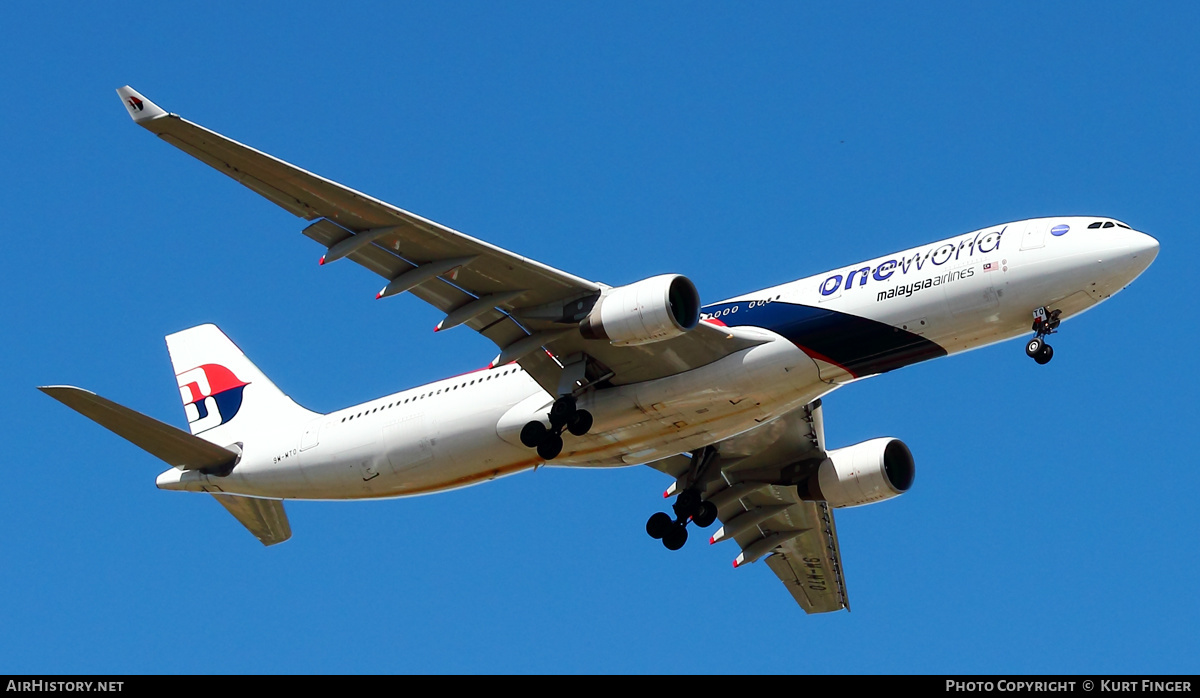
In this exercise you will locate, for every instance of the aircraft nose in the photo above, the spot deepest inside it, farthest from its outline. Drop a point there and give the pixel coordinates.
(1135, 252)
(1144, 246)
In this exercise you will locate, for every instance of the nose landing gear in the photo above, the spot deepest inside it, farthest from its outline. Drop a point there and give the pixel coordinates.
(1045, 322)
(563, 416)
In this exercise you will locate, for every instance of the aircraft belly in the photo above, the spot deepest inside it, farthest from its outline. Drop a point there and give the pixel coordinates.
(464, 451)
(646, 421)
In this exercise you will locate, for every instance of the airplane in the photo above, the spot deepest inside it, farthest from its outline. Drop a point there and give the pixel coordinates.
(725, 398)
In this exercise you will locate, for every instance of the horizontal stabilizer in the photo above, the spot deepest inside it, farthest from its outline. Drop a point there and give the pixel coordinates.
(265, 518)
(175, 446)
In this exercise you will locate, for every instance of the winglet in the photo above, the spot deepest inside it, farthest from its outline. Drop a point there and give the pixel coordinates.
(140, 108)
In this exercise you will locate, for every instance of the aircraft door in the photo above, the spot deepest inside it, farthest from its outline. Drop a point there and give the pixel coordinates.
(312, 434)
(1034, 235)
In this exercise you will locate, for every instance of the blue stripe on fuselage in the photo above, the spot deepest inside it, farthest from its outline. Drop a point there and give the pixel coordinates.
(861, 346)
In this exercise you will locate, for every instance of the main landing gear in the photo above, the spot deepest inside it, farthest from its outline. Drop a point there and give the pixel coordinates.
(563, 416)
(1045, 322)
(688, 506)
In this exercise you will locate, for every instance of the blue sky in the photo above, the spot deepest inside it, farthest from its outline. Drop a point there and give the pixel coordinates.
(1052, 527)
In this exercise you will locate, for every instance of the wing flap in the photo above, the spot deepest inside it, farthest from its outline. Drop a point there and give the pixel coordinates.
(174, 446)
(265, 518)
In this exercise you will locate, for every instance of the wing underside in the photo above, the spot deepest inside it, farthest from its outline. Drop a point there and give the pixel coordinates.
(265, 518)
(803, 546)
(752, 481)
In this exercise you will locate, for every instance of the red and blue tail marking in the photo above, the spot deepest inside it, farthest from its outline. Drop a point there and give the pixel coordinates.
(212, 396)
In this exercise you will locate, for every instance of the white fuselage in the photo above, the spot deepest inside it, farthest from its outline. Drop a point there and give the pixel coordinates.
(819, 332)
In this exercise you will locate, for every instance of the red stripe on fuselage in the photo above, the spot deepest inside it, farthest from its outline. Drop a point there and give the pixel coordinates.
(821, 357)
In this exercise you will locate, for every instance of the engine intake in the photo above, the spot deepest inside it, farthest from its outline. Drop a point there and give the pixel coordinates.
(650, 310)
(864, 473)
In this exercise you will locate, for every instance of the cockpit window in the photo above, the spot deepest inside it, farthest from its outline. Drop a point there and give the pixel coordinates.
(1108, 224)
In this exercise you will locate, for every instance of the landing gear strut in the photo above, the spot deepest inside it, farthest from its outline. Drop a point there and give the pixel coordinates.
(563, 416)
(1045, 322)
(689, 506)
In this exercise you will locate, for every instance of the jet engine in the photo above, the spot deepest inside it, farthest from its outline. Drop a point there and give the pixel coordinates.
(864, 473)
(650, 310)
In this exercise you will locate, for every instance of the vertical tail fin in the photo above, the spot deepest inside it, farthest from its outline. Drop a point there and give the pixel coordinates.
(225, 396)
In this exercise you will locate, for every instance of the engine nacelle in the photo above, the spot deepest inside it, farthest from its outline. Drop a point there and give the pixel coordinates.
(864, 473)
(650, 310)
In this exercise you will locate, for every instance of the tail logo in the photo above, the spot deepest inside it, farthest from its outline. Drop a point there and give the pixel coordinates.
(212, 396)
(135, 104)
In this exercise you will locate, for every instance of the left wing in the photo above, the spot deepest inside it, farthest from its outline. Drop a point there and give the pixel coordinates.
(265, 518)
(750, 483)
(174, 446)
(518, 303)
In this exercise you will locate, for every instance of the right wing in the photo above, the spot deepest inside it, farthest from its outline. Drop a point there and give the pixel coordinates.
(797, 538)
(801, 547)
(518, 303)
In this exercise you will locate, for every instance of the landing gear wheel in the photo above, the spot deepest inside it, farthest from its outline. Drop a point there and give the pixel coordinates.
(687, 504)
(562, 411)
(706, 515)
(550, 446)
(580, 422)
(1045, 323)
(533, 433)
(675, 537)
(659, 525)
